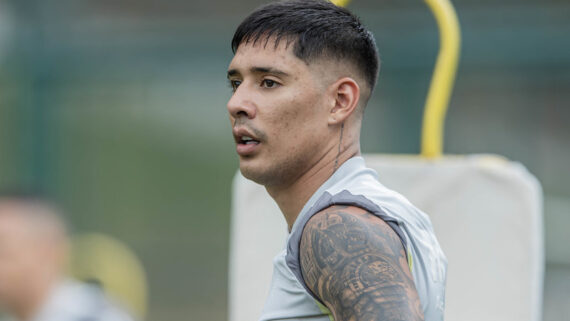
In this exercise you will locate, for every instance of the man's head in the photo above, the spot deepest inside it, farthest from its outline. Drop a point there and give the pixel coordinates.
(316, 30)
(33, 247)
(302, 70)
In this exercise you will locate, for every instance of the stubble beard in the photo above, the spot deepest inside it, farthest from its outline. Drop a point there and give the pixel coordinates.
(277, 174)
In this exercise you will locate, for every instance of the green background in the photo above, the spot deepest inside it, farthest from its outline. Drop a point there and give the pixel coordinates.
(117, 108)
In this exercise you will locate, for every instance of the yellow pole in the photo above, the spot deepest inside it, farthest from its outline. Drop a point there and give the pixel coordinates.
(442, 79)
(341, 3)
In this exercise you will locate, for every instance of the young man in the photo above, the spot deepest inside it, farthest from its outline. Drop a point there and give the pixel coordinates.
(33, 254)
(301, 75)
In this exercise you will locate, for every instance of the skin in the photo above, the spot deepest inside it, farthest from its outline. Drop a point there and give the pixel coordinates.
(32, 257)
(297, 112)
(306, 119)
(356, 264)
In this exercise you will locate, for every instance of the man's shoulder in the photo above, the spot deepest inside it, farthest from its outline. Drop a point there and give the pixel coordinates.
(352, 226)
(355, 263)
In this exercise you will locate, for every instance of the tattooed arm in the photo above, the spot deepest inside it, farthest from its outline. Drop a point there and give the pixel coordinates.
(356, 264)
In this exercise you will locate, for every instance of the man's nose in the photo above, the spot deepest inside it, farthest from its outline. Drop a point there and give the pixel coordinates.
(241, 104)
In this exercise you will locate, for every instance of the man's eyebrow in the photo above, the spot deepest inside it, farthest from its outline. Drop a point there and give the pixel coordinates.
(232, 72)
(268, 70)
(258, 70)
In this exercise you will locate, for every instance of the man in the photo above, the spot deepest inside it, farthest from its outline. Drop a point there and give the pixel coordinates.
(33, 255)
(301, 75)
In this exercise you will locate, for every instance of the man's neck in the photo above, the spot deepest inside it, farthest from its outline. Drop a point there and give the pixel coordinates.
(293, 197)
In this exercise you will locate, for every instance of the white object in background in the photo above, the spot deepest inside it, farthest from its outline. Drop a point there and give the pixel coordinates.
(486, 212)
(258, 233)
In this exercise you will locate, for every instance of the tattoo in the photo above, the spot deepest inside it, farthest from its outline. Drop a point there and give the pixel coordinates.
(339, 145)
(356, 264)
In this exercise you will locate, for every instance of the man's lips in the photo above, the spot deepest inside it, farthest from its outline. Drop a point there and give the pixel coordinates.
(247, 149)
(243, 135)
(246, 142)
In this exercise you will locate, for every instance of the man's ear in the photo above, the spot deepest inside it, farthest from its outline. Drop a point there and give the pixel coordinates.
(346, 96)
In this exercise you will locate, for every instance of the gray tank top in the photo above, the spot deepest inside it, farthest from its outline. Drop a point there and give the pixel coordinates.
(356, 185)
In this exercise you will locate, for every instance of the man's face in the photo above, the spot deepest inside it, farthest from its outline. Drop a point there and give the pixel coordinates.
(279, 112)
(18, 256)
(27, 254)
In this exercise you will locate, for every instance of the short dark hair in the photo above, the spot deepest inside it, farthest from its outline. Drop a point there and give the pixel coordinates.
(318, 29)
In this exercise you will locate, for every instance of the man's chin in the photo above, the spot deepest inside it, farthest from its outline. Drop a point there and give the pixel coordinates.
(251, 174)
(269, 178)
(256, 173)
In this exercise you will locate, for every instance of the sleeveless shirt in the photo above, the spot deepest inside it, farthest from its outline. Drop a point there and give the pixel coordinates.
(354, 184)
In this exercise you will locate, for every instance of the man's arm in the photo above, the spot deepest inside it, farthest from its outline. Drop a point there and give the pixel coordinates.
(356, 264)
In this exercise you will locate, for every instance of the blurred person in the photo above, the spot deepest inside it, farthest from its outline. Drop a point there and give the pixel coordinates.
(301, 75)
(33, 255)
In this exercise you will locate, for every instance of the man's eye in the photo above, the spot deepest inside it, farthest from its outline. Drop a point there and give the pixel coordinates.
(235, 84)
(268, 83)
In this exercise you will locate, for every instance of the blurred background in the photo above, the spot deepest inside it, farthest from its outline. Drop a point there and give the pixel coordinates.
(117, 107)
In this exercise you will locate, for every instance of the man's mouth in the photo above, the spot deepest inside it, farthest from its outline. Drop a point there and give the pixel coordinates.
(247, 145)
(247, 140)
